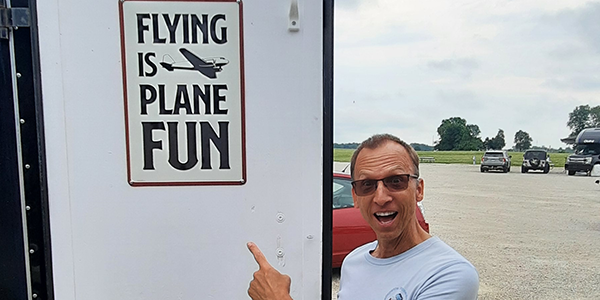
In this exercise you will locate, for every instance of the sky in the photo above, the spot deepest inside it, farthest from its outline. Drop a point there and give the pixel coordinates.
(401, 67)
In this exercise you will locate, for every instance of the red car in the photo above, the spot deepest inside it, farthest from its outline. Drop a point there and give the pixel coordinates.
(350, 230)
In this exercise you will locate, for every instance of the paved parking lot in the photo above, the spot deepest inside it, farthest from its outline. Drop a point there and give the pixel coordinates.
(530, 236)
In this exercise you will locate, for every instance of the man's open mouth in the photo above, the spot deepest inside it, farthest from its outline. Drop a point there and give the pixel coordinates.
(385, 217)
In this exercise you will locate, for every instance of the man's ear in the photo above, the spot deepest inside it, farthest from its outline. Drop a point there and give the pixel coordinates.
(354, 198)
(420, 189)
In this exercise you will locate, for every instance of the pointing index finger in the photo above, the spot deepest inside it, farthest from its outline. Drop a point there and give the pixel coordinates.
(258, 255)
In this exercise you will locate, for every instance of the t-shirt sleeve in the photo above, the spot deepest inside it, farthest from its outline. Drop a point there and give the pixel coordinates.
(455, 282)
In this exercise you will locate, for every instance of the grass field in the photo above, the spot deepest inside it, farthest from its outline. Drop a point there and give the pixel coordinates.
(457, 157)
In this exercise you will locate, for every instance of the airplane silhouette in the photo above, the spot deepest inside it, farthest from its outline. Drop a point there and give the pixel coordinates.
(208, 66)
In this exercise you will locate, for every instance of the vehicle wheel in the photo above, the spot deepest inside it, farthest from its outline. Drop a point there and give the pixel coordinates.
(571, 172)
(504, 169)
(546, 169)
(482, 170)
(523, 170)
(509, 168)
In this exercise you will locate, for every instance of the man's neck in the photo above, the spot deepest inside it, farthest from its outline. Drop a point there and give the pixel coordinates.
(406, 240)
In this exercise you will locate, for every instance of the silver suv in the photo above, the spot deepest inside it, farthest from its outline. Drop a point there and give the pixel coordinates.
(495, 160)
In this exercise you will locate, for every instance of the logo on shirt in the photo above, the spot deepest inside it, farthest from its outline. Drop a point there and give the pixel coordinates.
(396, 294)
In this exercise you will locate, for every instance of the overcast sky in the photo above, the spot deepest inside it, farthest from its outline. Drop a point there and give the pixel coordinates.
(403, 66)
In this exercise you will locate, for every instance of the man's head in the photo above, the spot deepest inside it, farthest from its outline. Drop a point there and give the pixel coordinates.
(376, 141)
(389, 200)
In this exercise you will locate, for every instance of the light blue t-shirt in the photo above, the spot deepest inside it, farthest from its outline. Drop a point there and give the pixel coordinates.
(430, 270)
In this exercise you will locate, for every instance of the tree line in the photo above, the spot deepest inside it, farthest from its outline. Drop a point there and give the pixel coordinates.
(457, 135)
(345, 145)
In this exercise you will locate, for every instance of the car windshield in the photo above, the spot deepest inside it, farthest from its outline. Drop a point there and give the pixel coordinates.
(541, 155)
(493, 154)
(588, 149)
(342, 193)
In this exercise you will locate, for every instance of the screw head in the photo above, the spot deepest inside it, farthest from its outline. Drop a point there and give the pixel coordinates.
(280, 217)
(280, 252)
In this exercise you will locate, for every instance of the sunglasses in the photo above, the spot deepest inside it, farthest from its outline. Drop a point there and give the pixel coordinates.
(394, 183)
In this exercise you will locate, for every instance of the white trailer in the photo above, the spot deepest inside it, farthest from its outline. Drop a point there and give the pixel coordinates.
(145, 142)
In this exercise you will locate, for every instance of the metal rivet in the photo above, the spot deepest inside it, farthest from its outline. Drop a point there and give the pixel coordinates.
(280, 217)
(242, 181)
(34, 296)
(27, 207)
(27, 166)
(22, 121)
(18, 75)
(310, 237)
(31, 251)
(280, 252)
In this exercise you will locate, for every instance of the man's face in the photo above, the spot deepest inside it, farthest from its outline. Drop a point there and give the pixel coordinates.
(390, 213)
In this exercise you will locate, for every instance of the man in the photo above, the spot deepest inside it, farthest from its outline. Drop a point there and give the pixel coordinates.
(405, 262)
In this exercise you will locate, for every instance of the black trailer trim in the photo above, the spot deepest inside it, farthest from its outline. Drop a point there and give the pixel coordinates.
(13, 271)
(29, 173)
(327, 146)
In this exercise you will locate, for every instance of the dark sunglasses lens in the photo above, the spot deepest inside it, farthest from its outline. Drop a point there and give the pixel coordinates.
(396, 183)
(365, 187)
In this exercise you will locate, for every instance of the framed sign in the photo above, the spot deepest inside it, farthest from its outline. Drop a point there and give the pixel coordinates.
(183, 79)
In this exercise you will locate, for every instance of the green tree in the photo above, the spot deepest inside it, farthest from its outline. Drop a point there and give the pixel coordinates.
(500, 142)
(522, 140)
(595, 116)
(421, 147)
(456, 134)
(496, 142)
(486, 144)
(583, 116)
(473, 130)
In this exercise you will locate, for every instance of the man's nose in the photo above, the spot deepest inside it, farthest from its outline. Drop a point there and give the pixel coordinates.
(382, 195)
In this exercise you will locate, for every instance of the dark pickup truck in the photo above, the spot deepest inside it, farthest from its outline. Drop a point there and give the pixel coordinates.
(587, 152)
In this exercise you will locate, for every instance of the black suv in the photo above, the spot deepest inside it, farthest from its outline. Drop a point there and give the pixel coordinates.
(535, 160)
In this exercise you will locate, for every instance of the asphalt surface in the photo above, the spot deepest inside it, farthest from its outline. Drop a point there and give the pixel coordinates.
(530, 236)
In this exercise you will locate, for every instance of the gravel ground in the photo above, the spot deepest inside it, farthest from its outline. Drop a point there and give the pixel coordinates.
(530, 236)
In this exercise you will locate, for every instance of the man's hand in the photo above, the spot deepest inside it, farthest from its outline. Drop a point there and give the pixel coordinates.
(268, 283)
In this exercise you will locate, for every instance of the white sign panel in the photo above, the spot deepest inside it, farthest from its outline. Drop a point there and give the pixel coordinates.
(183, 81)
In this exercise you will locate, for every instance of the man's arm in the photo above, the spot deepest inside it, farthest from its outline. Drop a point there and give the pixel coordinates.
(268, 283)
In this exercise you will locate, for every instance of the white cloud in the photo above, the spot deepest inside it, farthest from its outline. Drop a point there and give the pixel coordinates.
(403, 66)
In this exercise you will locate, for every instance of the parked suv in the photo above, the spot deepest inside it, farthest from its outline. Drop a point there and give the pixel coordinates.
(495, 160)
(535, 160)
